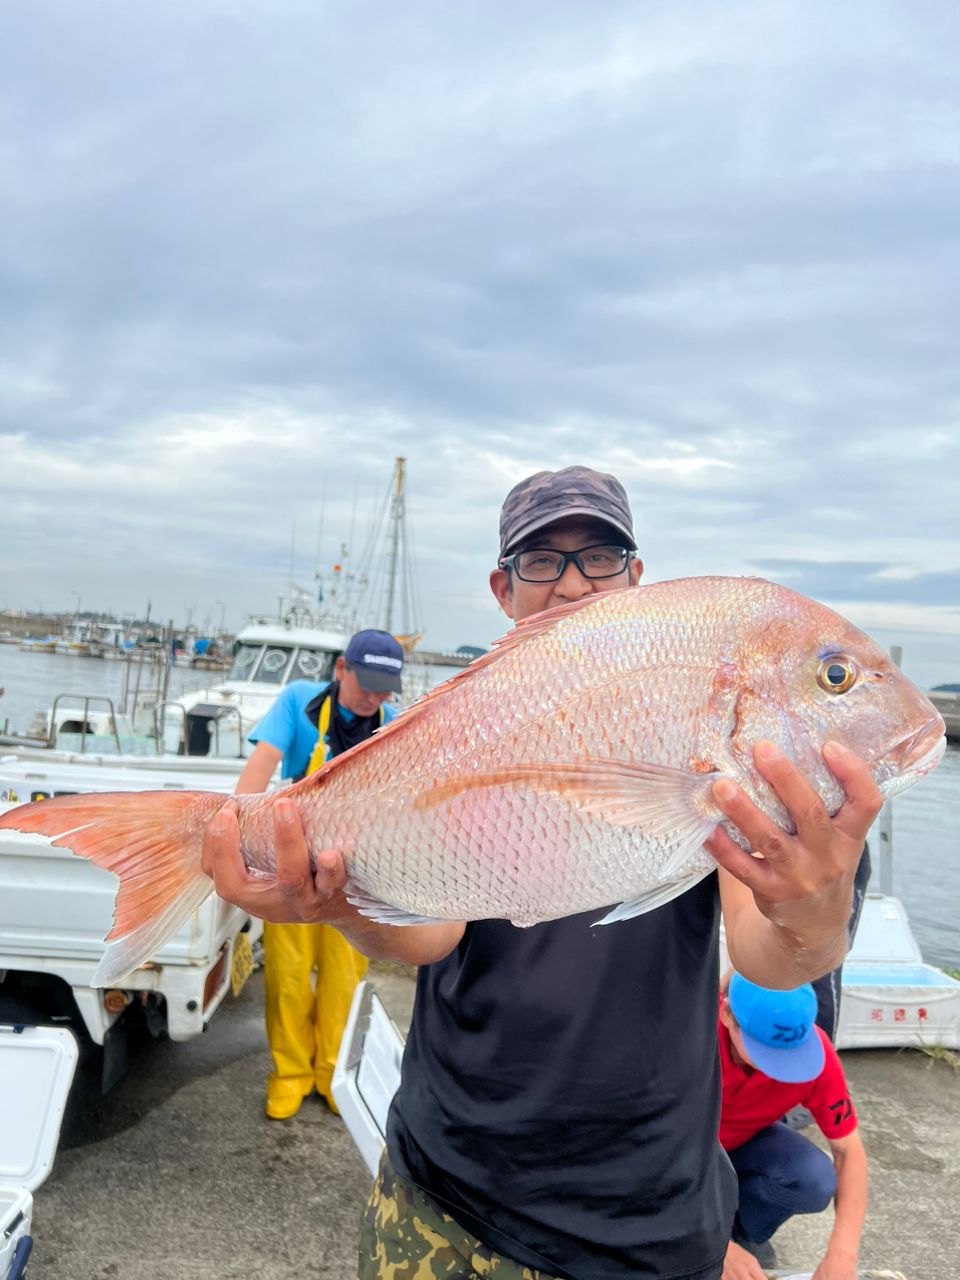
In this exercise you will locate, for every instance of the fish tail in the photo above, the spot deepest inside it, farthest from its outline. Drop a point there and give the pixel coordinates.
(152, 841)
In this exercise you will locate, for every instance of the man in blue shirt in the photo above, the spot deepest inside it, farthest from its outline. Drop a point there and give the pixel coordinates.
(311, 971)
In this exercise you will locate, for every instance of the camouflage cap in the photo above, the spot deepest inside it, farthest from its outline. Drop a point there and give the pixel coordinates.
(547, 496)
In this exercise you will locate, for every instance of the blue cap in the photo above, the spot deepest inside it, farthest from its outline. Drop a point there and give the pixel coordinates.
(377, 660)
(779, 1029)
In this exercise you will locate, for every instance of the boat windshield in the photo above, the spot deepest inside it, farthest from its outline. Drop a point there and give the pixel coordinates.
(276, 664)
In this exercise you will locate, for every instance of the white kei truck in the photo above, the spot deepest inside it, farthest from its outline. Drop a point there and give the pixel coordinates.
(55, 911)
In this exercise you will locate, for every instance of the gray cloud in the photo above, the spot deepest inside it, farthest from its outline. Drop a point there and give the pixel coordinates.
(862, 580)
(250, 256)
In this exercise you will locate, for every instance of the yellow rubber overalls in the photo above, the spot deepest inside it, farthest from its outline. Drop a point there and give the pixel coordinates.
(310, 973)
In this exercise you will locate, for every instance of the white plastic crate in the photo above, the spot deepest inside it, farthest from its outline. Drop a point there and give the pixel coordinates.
(367, 1073)
(36, 1070)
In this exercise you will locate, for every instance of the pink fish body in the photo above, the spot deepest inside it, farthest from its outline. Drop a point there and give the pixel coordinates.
(569, 769)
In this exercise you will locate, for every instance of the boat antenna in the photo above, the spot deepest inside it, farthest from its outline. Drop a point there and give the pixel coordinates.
(353, 513)
(323, 503)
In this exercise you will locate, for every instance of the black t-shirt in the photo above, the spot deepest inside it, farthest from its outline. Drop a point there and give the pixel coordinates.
(560, 1092)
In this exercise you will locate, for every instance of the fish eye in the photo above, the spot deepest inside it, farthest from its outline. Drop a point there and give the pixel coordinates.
(836, 674)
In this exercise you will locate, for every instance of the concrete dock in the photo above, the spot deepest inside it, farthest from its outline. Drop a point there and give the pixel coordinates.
(948, 704)
(177, 1174)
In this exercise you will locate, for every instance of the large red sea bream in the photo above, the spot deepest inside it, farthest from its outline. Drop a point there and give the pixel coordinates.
(568, 769)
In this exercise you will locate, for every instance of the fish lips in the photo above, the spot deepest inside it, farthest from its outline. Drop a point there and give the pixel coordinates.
(916, 754)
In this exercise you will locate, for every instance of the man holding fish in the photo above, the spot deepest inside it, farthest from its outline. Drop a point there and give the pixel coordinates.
(557, 1115)
(557, 829)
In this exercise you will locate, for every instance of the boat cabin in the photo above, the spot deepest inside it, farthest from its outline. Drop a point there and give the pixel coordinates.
(267, 657)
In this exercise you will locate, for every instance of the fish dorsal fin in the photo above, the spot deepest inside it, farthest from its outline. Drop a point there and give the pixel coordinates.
(527, 629)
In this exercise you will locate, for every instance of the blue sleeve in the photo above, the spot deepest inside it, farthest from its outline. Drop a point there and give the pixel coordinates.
(390, 711)
(279, 726)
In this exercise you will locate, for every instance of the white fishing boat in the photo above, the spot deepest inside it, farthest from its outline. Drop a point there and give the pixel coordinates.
(75, 641)
(92, 742)
(198, 739)
(214, 720)
(38, 644)
(106, 639)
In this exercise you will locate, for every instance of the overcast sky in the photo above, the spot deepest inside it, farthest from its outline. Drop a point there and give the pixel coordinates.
(252, 252)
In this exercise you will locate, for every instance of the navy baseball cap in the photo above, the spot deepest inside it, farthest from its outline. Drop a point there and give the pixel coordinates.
(779, 1029)
(377, 660)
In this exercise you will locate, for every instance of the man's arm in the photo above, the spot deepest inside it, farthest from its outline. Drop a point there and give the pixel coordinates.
(840, 1260)
(259, 769)
(298, 896)
(786, 906)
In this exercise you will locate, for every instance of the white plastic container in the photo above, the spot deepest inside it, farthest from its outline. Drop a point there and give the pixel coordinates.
(36, 1070)
(861, 1275)
(891, 998)
(367, 1073)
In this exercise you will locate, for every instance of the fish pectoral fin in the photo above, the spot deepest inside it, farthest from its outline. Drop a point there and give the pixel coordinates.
(625, 793)
(652, 899)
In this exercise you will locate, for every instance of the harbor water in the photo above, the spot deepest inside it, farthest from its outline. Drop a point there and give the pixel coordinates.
(926, 819)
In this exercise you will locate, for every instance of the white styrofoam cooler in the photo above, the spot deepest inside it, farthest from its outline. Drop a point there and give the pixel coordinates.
(36, 1070)
(891, 998)
(367, 1073)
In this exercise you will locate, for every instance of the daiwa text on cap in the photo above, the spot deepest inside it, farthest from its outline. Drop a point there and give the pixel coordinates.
(779, 1029)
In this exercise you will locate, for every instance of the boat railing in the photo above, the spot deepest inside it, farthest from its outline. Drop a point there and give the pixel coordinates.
(225, 713)
(160, 725)
(55, 728)
(183, 735)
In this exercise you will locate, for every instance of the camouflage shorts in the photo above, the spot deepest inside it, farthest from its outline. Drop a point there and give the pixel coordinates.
(405, 1235)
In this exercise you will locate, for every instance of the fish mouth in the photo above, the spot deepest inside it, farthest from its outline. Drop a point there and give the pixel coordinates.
(919, 752)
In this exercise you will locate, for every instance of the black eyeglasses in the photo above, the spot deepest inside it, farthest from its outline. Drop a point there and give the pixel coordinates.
(548, 565)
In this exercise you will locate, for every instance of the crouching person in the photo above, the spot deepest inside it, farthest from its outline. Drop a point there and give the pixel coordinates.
(773, 1057)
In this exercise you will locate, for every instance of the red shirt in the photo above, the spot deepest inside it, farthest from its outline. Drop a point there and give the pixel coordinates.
(751, 1100)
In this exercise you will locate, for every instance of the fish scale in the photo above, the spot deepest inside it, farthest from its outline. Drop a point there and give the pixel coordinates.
(569, 769)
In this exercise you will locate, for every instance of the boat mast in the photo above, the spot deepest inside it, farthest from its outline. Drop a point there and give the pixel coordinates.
(396, 523)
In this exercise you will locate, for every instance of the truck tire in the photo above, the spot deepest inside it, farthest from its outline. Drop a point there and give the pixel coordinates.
(18, 1009)
(20, 1012)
